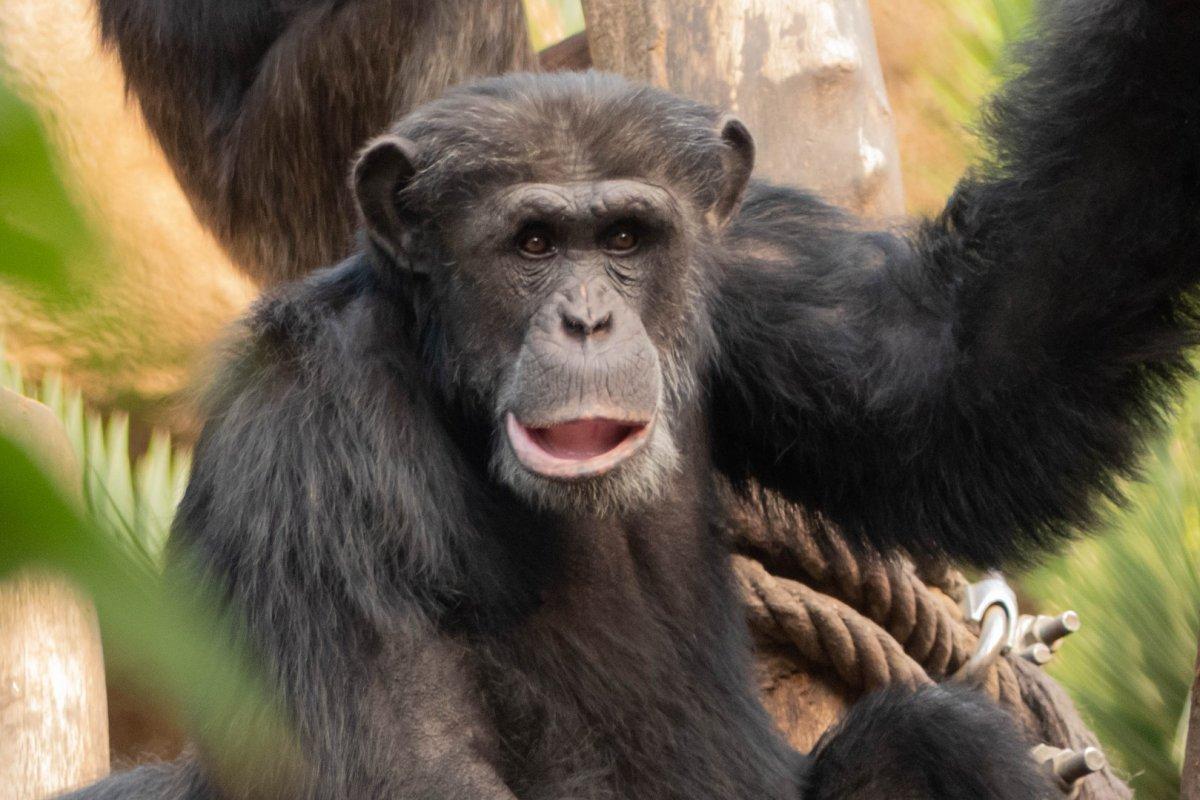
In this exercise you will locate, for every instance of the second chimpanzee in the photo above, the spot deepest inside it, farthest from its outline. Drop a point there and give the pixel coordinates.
(460, 487)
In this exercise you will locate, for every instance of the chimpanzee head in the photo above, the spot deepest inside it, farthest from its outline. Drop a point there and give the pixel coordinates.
(558, 231)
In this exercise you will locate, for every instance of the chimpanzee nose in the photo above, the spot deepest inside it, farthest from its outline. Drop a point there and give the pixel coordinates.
(584, 325)
(586, 314)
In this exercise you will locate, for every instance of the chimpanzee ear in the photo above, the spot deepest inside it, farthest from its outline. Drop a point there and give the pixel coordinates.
(739, 163)
(385, 167)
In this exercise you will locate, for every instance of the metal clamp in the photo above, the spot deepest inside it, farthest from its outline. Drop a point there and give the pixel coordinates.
(992, 603)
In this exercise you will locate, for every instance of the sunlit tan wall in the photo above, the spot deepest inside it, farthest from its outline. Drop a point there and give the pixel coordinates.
(915, 39)
(162, 288)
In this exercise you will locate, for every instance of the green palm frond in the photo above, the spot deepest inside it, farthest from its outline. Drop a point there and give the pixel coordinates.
(1136, 589)
(132, 499)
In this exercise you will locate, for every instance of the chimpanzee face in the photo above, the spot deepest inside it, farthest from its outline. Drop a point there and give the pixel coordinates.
(585, 286)
(573, 300)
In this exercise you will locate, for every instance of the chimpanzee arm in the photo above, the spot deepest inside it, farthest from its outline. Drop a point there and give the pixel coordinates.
(261, 104)
(336, 547)
(976, 387)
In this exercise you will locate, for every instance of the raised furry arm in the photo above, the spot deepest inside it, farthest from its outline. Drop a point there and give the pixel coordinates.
(976, 387)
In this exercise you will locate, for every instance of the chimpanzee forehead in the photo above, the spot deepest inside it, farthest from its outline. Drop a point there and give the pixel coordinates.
(556, 128)
(580, 200)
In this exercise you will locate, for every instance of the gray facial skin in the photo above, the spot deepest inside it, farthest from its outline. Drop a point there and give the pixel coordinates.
(581, 285)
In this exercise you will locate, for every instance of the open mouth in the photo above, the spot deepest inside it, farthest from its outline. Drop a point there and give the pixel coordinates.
(578, 448)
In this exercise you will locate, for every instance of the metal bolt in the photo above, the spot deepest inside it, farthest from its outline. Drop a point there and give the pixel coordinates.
(1037, 638)
(1051, 629)
(1037, 653)
(1072, 766)
(1067, 767)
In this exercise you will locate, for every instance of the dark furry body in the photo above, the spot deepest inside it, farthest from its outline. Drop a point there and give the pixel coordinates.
(456, 643)
(970, 389)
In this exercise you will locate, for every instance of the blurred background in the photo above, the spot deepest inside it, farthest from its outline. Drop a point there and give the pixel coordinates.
(111, 296)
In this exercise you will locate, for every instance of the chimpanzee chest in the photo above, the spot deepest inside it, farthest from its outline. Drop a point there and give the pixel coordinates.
(630, 679)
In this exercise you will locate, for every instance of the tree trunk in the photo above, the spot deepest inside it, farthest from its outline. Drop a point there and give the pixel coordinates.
(1190, 789)
(802, 74)
(53, 710)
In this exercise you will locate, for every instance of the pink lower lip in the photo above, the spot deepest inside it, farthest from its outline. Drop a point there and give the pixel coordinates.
(578, 448)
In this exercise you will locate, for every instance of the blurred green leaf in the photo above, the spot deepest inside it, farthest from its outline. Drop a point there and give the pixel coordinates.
(172, 635)
(1136, 588)
(173, 639)
(39, 227)
(133, 500)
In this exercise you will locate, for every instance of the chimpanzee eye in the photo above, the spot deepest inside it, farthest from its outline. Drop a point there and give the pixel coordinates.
(535, 242)
(621, 238)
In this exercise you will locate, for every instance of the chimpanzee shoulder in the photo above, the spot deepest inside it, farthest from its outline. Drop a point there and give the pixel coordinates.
(293, 313)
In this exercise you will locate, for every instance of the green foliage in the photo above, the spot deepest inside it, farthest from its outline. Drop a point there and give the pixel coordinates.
(134, 501)
(1136, 588)
(174, 639)
(39, 228)
(984, 28)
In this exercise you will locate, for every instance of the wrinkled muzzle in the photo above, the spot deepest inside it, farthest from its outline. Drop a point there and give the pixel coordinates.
(586, 387)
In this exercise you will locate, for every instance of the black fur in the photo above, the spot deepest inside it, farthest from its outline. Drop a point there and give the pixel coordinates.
(177, 781)
(978, 386)
(439, 639)
(892, 745)
(970, 389)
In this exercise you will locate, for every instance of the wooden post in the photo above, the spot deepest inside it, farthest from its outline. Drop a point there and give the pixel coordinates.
(53, 709)
(803, 75)
(1190, 784)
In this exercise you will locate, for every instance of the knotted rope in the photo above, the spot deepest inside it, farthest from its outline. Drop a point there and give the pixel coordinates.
(875, 622)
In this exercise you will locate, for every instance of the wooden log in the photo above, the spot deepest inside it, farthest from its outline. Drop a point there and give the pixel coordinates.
(803, 75)
(53, 708)
(1190, 788)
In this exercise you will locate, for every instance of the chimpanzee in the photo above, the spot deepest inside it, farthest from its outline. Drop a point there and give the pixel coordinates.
(460, 487)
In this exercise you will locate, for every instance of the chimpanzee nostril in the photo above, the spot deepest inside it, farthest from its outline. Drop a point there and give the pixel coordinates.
(573, 325)
(583, 325)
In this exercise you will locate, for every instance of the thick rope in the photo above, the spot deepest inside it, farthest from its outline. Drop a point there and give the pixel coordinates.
(888, 592)
(825, 631)
(864, 654)
(875, 622)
